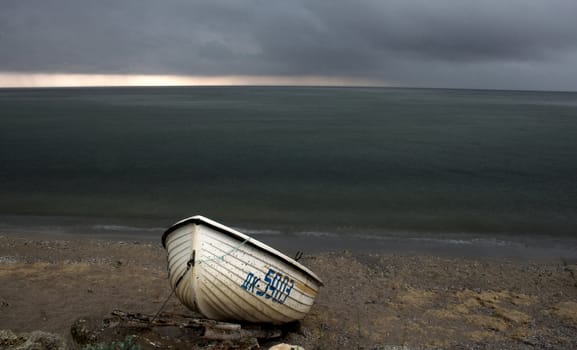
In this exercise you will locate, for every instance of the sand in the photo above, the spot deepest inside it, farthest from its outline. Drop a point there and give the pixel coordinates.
(370, 301)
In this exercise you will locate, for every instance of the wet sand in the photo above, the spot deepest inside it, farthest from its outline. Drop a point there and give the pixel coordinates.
(369, 300)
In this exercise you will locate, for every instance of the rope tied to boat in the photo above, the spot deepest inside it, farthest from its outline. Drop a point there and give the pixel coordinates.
(221, 257)
(189, 266)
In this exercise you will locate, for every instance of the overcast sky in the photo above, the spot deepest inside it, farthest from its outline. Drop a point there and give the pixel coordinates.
(502, 44)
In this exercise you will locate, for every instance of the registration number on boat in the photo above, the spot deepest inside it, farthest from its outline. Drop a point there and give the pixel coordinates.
(277, 286)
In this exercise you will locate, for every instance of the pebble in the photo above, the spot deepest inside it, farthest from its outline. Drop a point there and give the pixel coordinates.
(284, 346)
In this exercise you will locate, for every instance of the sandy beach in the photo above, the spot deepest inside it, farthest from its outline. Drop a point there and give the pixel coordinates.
(369, 301)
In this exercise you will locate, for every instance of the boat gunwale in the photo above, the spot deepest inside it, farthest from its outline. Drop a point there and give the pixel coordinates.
(198, 219)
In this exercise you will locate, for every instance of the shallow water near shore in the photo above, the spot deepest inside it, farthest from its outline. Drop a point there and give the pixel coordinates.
(290, 241)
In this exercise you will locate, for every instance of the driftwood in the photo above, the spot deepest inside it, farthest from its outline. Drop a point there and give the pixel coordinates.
(204, 328)
(174, 331)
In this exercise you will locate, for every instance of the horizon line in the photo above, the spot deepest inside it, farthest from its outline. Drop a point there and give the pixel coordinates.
(48, 80)
(23, 80)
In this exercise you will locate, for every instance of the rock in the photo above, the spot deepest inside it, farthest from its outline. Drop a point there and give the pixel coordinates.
(284, 346)
(37, 340)
(86, 330)
(8, 338)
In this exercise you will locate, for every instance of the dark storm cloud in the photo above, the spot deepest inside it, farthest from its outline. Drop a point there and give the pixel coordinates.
(444, 43)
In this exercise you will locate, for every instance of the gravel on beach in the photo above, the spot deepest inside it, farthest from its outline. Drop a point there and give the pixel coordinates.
(369, 301)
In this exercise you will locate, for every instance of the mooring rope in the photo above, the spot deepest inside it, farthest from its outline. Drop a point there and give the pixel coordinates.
(189, 265)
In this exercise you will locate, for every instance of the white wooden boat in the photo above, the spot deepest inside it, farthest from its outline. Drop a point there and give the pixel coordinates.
(226, 275)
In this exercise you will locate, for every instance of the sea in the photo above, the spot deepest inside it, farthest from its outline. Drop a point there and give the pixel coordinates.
(480, 172)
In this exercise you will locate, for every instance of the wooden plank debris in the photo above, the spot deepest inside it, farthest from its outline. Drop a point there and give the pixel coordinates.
(205, 328)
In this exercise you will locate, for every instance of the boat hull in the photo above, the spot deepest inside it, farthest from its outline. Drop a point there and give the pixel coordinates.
(228, 276)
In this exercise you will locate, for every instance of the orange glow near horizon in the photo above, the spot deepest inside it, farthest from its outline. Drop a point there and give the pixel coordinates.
(8, 80)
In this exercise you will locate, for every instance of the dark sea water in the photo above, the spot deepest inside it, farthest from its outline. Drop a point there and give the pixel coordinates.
(323, 164)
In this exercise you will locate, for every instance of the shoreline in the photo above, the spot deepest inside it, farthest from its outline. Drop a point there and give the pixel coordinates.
(543, 249)
(314, 241)
(369, 300)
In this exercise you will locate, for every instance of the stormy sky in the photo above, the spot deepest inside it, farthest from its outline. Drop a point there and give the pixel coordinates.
(496, 44)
